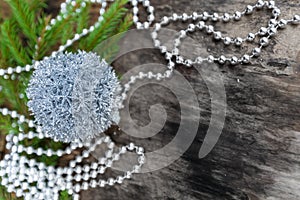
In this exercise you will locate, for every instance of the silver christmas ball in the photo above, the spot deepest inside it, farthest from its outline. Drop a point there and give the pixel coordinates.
(74, 96)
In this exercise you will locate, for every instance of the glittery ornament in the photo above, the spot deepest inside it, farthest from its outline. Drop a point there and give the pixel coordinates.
(74, 96)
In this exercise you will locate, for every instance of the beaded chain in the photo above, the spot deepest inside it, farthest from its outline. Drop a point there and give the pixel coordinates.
(34, 180)
(199, 23)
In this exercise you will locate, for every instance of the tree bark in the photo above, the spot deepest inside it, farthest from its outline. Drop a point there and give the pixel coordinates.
(258, 153)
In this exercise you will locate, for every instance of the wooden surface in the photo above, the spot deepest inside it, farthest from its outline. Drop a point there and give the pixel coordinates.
(258, 153)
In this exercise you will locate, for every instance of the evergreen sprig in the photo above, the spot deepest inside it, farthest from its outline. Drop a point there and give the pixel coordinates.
(13, 42)
(25, 16)
(109, 26)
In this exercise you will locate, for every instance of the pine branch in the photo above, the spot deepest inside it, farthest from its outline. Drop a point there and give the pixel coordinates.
(44, 22)
(112, 18)
(12, 41)
(25, 18)
(53, 36)
(109, 48)
(83, 18)
(82, 23)
(37, 5)
(126, 24)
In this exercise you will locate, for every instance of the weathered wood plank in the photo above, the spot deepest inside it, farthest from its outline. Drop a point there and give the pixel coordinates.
(258, 153)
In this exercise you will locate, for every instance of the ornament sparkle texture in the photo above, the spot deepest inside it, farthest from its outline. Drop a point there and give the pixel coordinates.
(74, 96)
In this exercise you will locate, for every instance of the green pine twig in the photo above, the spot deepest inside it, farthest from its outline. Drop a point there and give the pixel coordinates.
(12, 41)
(112, 18)
(25, 17)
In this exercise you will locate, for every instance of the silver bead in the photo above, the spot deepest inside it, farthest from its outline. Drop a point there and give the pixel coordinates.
(76, 197)
(39, 151)
(185, 17)
(250, 37)
(179, 59)
(201, 25)
(129, 174)
(117, 156)
(175, 17)
(195, 16)
(86, 176)
(263, 31)
(182, 33)
(9, 70)
(101, 183)
(264, 41)
(146, 3)
(209, 29)
(150, 9)
(249, 9)
(177, 42)
(59, 153)
(157, 27)
(139, 26)
(282, 23)
(238, 41)
(163, 49)
(93, 184)
(191, 27)
(205, 16)
(272, 31)
(72, 164)
(154, 35)
(165, 20)
(199, 60)
(215, 17)
(156, 43)
(276, 12)
(256, 51)
(146, 25)
(140, 150)
(175, 51)
(93, 173)
(217, 35)
(135, 10)
(271, 4)
(210, 59)
(222, 59)
(296, 19)
(234, 60)
(2, 72)
(272, 22)
(151, 18)
(260, 4)
(188, 63)
(120, 179)
(226, 17)
(171, 65)
(227, 40)
(168, 56)
(94, 165)
(77, 188)
(237, 15)
(110, 181)
(29, 150)
(4, 111)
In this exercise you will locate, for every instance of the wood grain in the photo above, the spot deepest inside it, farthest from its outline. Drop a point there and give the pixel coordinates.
(258, 153)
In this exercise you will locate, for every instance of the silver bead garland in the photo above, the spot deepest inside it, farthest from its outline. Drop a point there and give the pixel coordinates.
(34, 180)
